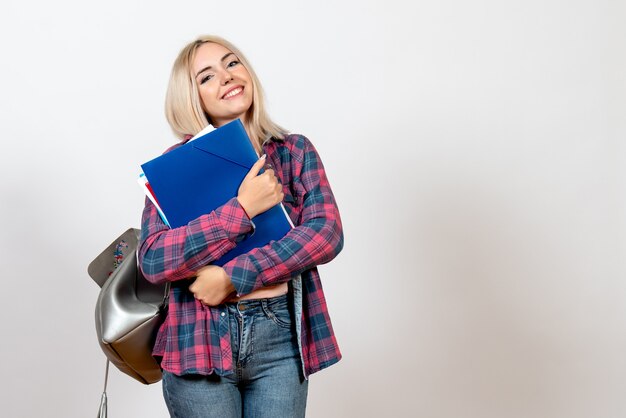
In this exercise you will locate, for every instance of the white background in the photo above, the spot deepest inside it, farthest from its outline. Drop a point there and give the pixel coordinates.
(476, 149)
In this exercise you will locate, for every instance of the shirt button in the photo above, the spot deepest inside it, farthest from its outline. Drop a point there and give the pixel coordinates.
(223, 314)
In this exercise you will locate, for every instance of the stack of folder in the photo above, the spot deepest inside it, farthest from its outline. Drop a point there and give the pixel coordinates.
(203, 174)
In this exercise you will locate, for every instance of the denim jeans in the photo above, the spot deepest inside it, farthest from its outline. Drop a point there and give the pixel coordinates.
(267, 379)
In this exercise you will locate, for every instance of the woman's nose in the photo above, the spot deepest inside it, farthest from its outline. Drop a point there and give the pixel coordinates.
(226, 77)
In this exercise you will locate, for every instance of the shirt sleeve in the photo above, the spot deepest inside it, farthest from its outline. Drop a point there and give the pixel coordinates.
(316, 240)
(173, 254)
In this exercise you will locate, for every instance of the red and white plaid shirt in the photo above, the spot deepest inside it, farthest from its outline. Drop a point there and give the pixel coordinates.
(195, 339)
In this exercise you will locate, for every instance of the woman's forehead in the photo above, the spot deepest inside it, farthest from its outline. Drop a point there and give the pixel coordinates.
(208, 54)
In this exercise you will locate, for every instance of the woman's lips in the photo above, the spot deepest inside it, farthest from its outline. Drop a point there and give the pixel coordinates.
(232, 93)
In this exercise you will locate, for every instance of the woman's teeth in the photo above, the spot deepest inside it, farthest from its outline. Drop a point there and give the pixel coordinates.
(233, 93)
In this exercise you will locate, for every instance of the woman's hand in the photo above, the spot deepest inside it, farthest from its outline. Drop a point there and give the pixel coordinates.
(259, 193)
(212, 285)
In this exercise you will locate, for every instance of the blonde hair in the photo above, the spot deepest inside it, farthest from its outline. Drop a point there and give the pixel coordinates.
(183, 108)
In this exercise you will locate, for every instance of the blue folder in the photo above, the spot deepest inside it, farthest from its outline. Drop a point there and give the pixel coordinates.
(203, 174)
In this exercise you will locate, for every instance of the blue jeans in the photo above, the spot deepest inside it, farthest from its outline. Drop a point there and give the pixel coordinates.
(267, 379)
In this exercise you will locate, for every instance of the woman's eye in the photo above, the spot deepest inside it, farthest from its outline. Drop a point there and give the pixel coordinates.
(233, 63)
(206, 78)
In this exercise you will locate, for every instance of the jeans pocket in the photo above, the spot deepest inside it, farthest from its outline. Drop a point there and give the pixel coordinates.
(278, 311)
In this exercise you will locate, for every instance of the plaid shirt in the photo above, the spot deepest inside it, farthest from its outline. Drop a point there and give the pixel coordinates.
(195, 338)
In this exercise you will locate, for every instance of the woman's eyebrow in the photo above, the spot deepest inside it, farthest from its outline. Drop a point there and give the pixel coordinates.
(209, 67)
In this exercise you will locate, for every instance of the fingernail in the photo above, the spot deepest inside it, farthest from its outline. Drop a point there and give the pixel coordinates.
(263, 156)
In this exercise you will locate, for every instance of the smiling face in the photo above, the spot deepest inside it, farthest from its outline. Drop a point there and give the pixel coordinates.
(224, 84)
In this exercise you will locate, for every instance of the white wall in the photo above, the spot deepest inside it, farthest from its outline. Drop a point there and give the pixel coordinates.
(476, 150)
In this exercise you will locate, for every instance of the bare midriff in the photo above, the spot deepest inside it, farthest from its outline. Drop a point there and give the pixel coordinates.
(264, 293)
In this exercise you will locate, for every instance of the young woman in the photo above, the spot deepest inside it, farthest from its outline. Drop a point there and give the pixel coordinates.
(242, 339)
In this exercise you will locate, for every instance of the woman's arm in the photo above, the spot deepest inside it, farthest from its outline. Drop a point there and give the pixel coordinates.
(316, 240)
(173, 254)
